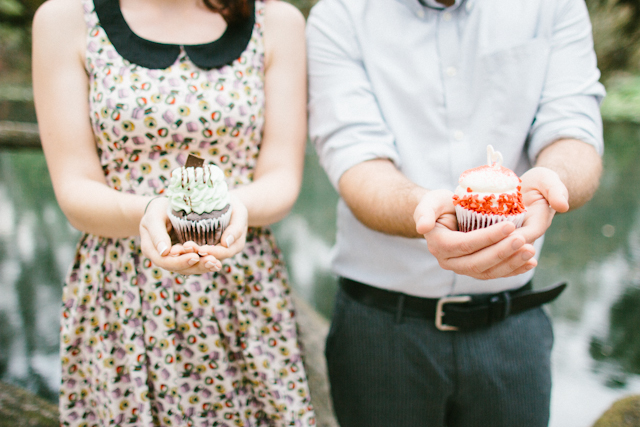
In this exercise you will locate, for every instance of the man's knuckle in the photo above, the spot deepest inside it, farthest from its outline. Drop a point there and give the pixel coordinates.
(503, 255)
(485, 275)
(464, 247)
(475, 270)
(434, 250)
(445, 265)
(515, 264)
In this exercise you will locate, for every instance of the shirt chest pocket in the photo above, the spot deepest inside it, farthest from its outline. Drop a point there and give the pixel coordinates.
(514, 77)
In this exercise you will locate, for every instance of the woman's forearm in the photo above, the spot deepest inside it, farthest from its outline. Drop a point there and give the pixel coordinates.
(270, 197)
(95, 208)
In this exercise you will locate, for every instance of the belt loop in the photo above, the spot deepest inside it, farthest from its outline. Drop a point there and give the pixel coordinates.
(507, 304)
(399, 308)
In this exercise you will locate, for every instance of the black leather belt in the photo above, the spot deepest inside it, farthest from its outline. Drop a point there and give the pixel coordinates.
(451, 313)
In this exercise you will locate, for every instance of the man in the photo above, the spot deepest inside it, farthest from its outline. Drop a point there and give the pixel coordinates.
(404, 96)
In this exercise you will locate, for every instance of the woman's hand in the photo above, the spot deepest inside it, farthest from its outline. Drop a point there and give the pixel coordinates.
(187, 258)
(234, 236)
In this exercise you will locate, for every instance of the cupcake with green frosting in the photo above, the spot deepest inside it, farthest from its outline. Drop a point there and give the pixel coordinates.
(199, 204)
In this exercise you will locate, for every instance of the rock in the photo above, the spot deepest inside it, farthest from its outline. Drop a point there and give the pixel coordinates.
(623, 413)
(20, 408)
(312, 332)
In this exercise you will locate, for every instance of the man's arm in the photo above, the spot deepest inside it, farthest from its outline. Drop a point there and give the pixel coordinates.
(357, 150)
(383, 199)
(565, 177)
(565, 141)
(578, 165)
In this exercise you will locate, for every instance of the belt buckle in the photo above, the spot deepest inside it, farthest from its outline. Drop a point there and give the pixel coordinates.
(458, 299)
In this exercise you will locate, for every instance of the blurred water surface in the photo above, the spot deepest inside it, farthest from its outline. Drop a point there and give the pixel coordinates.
(596, 249)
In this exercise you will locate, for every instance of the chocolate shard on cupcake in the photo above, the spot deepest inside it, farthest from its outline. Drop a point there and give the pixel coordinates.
(488, 194)
(199, 202)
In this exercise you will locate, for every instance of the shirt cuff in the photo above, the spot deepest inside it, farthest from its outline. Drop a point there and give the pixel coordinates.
(337, 161)
(541, 141)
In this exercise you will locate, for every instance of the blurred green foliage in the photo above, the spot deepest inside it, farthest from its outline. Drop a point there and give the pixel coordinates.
(15, 38)
(615, 27)
(616, 35)
(623, 99)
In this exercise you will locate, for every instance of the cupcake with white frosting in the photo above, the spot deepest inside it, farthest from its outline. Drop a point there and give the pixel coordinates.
(488, 194)
(199, 207)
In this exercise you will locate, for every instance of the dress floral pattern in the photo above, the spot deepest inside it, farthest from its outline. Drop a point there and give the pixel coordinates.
(145, 347)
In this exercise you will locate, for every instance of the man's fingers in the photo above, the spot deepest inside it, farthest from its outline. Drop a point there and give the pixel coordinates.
(520, 262)
(446, 244)
(426, 220)
(433, 205)
(494, 261)
(558, 198)
(554, 191)
(537, 220)
(546, 182)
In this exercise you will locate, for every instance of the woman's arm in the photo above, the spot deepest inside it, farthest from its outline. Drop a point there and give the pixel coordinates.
(278, 173)
(61, 92)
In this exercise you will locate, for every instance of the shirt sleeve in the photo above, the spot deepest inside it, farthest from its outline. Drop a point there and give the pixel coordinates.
(345, 122)
(570, 101)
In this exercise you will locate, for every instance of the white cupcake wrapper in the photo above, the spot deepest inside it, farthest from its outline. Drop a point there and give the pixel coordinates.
(469, 220)
(206, 231)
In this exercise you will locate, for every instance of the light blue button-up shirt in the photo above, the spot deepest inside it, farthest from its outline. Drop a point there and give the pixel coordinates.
(429, 88)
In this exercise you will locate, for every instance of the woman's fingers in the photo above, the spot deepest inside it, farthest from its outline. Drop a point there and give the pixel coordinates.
(233, 238)
(237, 225)
(210, 263)
(156, 242)
(189, 257)
(154, 225)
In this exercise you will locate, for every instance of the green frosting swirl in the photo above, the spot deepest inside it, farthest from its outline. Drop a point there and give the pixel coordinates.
(199, 190)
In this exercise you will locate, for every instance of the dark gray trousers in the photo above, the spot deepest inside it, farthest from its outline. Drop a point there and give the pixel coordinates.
(390, 371)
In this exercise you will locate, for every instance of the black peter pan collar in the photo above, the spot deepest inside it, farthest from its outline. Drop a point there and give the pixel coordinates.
(154, 55)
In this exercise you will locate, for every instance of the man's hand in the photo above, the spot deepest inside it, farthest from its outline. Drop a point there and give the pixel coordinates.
(489, 253)
(544, 194)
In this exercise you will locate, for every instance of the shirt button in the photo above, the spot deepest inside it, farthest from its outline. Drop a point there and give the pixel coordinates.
(458, 135)
(446, 16)
(468, 6)
(451, 71)
(420, 13)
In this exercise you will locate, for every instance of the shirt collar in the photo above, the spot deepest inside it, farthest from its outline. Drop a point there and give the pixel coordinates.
(433, 4)
(154, 55)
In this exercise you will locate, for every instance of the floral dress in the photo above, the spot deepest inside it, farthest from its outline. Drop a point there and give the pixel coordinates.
(141, 346)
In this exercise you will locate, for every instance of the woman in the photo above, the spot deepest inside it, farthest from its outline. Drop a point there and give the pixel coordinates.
(183, 335)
